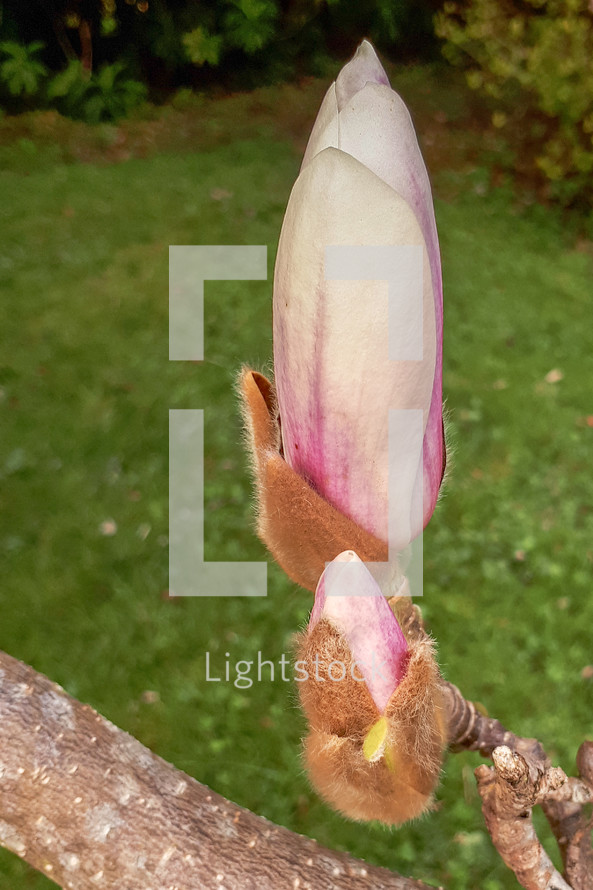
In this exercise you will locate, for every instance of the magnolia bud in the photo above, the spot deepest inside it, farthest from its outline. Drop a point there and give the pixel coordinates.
(373, 751)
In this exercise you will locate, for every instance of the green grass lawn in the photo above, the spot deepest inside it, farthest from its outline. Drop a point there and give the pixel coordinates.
(86, 386)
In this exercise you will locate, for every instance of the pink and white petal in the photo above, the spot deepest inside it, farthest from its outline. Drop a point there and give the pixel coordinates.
(434, 442)
(375, 127)
(334, 378)
(350, 599)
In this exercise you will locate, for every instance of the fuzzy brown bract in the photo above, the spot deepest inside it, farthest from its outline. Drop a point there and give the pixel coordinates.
(398, 785)
(300, 528)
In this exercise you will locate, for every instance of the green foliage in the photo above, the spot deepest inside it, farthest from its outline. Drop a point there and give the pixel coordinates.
(250, 24)
(68, 88)
(202, 47)
(247, 25)
(21, 70)
(404, 28)
(105, 96)
(533, 56)
(269, 29)
(239, 43)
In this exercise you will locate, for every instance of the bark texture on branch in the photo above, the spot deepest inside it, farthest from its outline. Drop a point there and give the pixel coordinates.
(508, 795)
(522, 778)
(90, 807)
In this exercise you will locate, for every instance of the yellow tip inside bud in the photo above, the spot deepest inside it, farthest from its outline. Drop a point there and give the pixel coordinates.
(373, 747)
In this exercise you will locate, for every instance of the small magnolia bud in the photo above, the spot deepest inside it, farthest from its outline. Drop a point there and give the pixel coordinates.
(370, 761)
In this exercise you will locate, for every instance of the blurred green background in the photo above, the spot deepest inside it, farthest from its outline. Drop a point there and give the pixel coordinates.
(529, 61)
(86, 217)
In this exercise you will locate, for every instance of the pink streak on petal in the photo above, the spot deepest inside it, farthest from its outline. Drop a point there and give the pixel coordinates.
(363, 117)
(433, 451)
(334, 379)
(375, 127)
(348, 596)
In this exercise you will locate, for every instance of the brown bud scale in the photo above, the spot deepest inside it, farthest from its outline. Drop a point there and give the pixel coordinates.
(300, 528)
(391, 789)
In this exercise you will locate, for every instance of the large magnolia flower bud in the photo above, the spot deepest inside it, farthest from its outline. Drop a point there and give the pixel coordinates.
(363, 183)
(320, 439)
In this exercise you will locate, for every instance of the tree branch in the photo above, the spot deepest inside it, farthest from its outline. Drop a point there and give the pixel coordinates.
(508, 795)
(522, 778)
(89, 806)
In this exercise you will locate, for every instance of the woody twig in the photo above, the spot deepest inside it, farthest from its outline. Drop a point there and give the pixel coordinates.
(521, 778)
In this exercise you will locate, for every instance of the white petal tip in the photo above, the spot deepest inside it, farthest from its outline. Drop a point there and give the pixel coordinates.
(363, 68)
